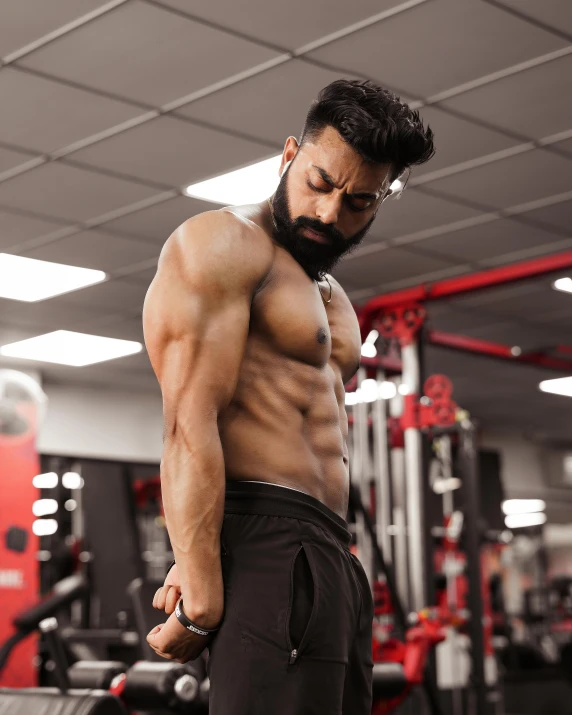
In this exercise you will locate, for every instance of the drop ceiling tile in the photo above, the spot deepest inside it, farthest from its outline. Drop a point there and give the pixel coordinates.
(564, 146)
(543, 249)
(458, 140)
(557, 215)
(46, 315)
(272, 105)
(392, 265)
(172, 151)
(111, 374)
(144, 277)
(94, 249)
(129, 329)
(114, 296)
(288, 25)
(158, 222)
(45, 115)
(489, 240)
(416, 211)
(147, 54)
(10, 157)
(555, 13)
(15, 228)
(535, 103)
(525, 177)
(25, 22)
(407, 55)
(62, 191)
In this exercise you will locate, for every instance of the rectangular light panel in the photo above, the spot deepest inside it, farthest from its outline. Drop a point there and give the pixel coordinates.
(30, 280)
(558, 386)
(250, 185)
(65, 347)
(563, 284)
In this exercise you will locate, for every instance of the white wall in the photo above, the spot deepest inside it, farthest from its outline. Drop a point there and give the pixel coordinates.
(103, 424)
(524, 475)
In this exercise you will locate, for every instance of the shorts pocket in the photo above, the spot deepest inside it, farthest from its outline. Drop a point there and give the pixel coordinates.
(302, 609)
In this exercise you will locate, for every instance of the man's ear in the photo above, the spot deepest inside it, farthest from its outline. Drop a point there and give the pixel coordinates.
(290, 151)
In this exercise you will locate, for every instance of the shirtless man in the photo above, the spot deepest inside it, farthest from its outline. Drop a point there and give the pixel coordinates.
(252, 342)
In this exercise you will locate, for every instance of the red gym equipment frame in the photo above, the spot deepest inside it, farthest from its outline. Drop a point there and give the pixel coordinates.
(472, 283)
(400, 315)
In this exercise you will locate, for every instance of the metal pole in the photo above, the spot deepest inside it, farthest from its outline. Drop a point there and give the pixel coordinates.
(470, 476)
(397, 456)
(415, 487)
(382, 475)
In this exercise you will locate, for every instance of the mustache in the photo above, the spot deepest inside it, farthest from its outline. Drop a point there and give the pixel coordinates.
(329, 232)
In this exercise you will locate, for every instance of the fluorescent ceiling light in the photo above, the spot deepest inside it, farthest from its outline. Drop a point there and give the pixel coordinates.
(250, 185)
(45, 527)
(564, 284)
(68, 348)
(43, 507)
(558, 386)
(72, 480)
(387, 390)
(519, 521)
(368, 350)
(523, 506)
(369, 390)
(31, 280)
(49, 480)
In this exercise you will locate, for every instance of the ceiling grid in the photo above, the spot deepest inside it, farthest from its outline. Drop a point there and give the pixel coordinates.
(108, 115)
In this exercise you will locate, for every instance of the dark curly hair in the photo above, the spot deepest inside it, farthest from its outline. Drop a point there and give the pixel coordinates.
(372, 120)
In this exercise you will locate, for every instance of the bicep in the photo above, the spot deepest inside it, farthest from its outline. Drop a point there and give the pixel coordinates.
(196, 321)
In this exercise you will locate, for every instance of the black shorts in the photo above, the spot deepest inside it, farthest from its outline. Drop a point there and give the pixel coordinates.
(296, 634)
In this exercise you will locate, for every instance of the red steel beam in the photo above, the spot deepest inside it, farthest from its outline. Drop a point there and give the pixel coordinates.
(467, 284)
(496, 350)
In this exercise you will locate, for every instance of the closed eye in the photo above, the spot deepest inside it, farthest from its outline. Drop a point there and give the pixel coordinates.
(351, 205)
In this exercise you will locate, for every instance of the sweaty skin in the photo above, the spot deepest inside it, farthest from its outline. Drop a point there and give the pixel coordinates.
(252, 367)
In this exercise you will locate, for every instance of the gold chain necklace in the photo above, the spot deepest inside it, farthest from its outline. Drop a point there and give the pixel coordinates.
(325, 276)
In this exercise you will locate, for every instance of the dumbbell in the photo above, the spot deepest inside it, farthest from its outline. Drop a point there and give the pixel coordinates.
(148, 685)
(95, 674)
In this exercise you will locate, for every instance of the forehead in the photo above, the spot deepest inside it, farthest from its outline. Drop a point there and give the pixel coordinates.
(331, 153)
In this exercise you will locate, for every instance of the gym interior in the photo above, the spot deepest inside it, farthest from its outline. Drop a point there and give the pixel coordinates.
(115, 117)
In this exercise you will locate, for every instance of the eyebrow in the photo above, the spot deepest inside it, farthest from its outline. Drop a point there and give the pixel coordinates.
(359, 195)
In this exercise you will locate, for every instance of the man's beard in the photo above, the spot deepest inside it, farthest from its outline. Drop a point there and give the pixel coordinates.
(315, 258)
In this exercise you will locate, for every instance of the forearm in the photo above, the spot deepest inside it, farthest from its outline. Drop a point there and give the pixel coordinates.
(193, 485)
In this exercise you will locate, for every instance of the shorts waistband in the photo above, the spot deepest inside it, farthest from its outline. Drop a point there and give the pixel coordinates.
(273, 500)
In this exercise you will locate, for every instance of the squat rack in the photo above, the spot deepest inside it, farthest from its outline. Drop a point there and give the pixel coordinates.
(401, 315)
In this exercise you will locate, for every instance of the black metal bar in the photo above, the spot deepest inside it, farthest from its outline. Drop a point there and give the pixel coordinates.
(49, 628)
(470, 477)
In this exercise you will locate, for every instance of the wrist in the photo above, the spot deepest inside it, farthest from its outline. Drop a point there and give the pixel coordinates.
(190, 625)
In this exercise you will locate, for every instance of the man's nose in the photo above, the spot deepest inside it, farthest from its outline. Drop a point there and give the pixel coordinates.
(328, 209)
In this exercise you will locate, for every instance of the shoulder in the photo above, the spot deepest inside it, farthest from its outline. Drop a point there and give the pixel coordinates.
(219, 245)
(339, 296)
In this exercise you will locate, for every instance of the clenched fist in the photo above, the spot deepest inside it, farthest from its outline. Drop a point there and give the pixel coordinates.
(173, 641)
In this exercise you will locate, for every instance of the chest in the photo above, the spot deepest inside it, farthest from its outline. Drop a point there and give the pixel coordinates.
(290, 313)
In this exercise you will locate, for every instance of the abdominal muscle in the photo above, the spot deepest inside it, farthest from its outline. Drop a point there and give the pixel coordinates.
(287, 427)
